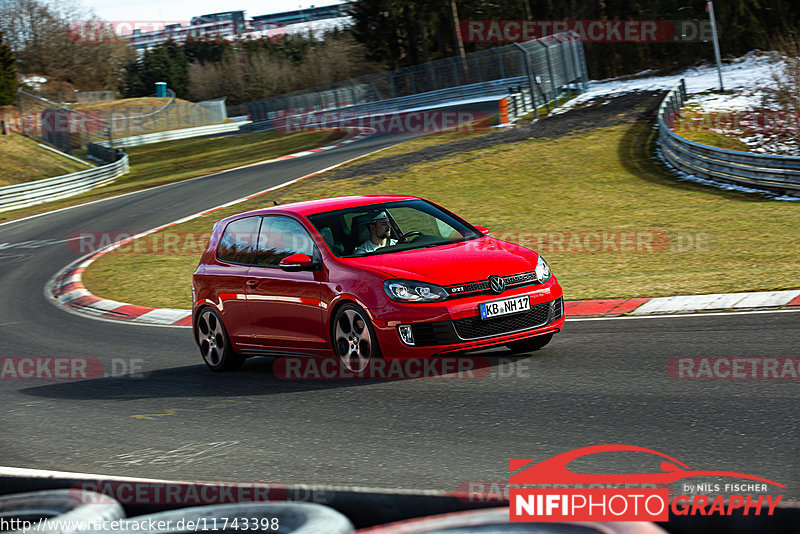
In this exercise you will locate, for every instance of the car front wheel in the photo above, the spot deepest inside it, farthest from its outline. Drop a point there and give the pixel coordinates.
(215, 345)
(354, 341)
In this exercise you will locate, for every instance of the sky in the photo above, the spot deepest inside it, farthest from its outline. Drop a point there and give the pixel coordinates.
(179, 10)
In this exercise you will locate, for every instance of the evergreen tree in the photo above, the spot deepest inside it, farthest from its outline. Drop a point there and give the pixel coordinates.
(385, 28)
(165, 63)
(8, 74)
(132, 84)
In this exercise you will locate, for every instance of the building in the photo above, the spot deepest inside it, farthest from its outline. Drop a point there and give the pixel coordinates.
(232, 25)
(225, 16)
(305, 15)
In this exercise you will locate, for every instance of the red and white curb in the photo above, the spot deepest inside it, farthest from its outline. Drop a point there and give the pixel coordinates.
(683, 304)
(70, 292)
(362, 133)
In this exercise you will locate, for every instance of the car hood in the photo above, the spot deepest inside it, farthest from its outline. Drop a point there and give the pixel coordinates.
(455, 263)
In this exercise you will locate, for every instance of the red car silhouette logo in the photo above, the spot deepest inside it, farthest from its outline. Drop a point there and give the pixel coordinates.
(554, 470)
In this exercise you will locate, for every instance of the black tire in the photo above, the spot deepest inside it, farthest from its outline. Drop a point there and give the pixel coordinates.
(530, 345)
(67, 506)
(353, 338)
(215, 345)
(291, 517)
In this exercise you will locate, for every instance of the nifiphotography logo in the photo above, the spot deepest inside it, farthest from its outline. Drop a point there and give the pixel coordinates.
(605, 498)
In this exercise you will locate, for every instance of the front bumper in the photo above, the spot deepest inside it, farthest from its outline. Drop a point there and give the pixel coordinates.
(455, 325)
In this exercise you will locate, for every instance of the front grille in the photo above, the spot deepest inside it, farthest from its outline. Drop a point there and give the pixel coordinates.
(471, 288)
(518, 279)
(476, 328)
(483, 286)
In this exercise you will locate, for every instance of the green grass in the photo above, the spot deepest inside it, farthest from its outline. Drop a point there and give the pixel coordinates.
(186, 158)
(172, 161)
(697, 125)
(728, 141)
(543, 110)
(124, 103)
(418, 143)
(604, 180)
(23, 160)
(451, 136)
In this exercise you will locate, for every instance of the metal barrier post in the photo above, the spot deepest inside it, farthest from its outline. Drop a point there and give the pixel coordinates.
(553, 93)
(529, 72)
(455, 72)
(353, 96)
(478, 68)
(500, 62)
(432, 70)
(565, 64)
(582, 63)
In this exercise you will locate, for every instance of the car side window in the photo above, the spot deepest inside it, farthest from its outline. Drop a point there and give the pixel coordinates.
(281, 237)
(238, 241)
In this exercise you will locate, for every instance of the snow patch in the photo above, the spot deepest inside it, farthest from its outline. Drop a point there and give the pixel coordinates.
(746, 73)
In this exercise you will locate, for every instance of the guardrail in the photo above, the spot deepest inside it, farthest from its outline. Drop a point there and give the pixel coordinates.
(171, 135)
(30, 193)
(778, 174)
(451, 95)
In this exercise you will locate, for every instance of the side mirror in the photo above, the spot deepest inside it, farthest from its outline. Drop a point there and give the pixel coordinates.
(482, 229)
(297, 262)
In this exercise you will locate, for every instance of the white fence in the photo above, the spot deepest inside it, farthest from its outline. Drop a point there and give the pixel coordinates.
(30, 193)
(170, 135)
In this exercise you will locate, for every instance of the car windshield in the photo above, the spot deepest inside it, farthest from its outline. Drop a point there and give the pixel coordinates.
(389, 227)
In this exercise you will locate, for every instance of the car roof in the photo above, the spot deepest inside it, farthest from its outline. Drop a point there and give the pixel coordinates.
(311, 207)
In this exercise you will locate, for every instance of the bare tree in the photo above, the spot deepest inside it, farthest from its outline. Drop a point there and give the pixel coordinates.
(786, 92)
(248, 75)
(42, 35)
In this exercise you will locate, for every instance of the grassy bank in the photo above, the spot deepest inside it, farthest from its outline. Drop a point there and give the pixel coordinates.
(702, 240)
(696, 125)
(23, 160)
(172, 161)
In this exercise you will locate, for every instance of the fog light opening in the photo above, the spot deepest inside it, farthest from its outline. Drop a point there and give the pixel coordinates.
(557, 309)
(405, 334)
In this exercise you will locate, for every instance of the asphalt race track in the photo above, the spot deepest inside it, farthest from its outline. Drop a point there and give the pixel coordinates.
(600, 381)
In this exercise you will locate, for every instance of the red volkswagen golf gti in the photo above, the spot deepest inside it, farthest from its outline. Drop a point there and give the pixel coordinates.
(364, 277)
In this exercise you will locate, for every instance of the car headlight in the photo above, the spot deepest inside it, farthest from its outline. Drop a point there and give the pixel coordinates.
(411, 291)
(543, 273)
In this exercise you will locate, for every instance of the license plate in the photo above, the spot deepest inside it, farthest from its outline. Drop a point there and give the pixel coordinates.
(505, 306)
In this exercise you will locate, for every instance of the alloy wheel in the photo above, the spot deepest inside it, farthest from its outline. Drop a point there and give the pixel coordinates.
(353, 340)
(211, 338)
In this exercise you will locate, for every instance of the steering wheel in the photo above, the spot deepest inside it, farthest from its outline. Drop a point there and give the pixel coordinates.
(404, 238)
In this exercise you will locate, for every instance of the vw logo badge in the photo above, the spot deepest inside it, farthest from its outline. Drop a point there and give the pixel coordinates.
(497, 284)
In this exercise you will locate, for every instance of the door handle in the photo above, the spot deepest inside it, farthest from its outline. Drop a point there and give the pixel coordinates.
(252, 283)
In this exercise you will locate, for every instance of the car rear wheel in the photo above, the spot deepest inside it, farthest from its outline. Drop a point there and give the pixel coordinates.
(215, 345)
(354, 340)
(530, 345)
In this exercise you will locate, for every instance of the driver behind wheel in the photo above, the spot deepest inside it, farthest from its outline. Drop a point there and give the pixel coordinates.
(379, 233)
